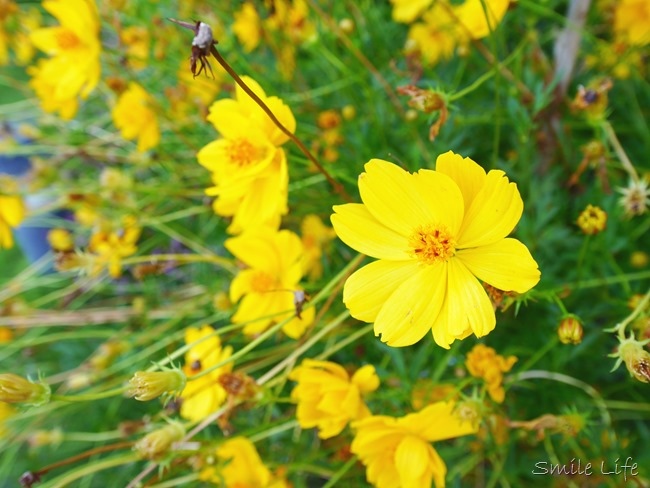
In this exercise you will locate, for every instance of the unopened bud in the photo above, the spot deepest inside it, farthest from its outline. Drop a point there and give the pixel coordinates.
(145, 386)
(16, 389)
(570, 331)
(155, 445)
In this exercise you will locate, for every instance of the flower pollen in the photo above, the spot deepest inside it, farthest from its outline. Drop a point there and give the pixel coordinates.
(67, 40)
(242, 152)
(263, 282)
(432, 243)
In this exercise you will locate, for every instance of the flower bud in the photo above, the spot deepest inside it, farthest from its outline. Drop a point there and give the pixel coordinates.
(16, 389)
(570, 330)
(145, 386)
(157, 443)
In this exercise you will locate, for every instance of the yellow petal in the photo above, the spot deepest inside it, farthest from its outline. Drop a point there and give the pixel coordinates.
(257, 250)
(366, 291)
(12, 210)
(366, 378)
(438, 422)
(506, 265)
(468, 175)
(493, 214)
(442, 197)
(412, 460)
(388, 193)
(468, 303)
(413, 308)
(361, 231)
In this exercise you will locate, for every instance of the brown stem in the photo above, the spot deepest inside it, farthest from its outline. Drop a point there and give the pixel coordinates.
(338, 188)
(91, 452)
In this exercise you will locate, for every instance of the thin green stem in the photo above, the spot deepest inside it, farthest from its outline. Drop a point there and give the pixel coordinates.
(341, 472)
(89, 397)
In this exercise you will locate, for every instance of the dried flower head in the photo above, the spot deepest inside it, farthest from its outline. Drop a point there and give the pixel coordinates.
(636, 197)
(636, 358)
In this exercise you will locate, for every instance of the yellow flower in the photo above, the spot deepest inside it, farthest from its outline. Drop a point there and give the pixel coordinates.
(205, 395)
(484, 362)
(12, 213)
(267, 287)
(241, 467)
(406, 11)
(74, 68)
(315, 236)
(135, 118)
(592, 220)
(434, 233)
(136, 40)
(248, 167)
(22, 45)
(60, 240)
(478, 18)
(434, 38)
(328, 398)
(248, 27)
(632, 21)
(6, 412)
(111, 246)
(397, 451)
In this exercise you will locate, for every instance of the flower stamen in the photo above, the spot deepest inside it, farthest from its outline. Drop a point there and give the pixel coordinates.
(432, 243)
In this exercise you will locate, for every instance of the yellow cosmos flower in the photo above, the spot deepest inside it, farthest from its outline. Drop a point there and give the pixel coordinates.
(480, 17)
(632, 21)
(136, 40)
(248, 27)
(248, 167)
(12, 213)
(406, 11)
(267, 287)
(204, 395)
(435, 37)
(434, 233)
(397, 451)
(328, 398)
(242, 467)
(22, 45)
(135, 118)
(484, 362)
(74, 68)
(315, 237)
(110, 247)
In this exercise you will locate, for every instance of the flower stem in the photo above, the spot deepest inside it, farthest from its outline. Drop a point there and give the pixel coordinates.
(338, 188)
(620, 152)
(90, 396)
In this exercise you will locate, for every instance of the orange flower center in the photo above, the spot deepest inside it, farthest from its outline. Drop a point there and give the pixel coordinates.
(67, 40)
(263, 282)
(432, 243)
(243, 153)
